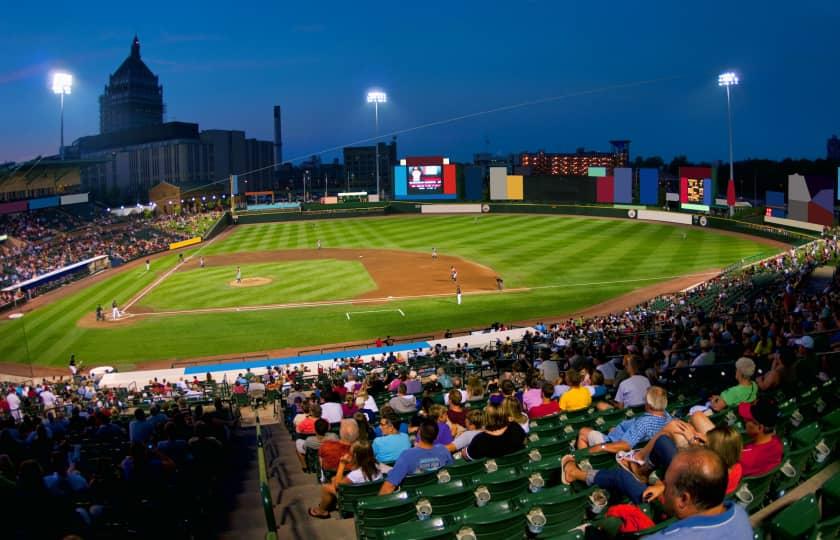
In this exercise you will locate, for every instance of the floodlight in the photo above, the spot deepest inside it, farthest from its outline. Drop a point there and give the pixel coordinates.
(62, 83)
(729, 78)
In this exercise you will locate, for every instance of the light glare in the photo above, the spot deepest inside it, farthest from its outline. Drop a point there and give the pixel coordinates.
(377, 96)
(62, 83)
(728, 79)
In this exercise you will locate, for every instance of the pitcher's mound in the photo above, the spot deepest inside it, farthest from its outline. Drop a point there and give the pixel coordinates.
(251, 282)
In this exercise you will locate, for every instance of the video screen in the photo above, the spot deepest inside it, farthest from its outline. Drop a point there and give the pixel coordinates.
(695, 191)
(425, 179)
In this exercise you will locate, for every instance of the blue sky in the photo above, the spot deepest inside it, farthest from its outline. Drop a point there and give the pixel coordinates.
(224, 65)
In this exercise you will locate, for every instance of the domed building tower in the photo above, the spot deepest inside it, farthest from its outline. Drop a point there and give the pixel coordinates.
(133, 98)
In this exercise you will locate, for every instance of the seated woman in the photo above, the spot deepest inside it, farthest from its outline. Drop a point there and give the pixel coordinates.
(500, 437)
(363, 468)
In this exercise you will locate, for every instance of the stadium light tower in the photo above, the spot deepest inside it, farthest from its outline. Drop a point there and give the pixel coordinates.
(727, 80)
(376, 97)
(62, 83)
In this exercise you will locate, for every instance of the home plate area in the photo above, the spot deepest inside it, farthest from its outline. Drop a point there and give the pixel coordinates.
(349, 313)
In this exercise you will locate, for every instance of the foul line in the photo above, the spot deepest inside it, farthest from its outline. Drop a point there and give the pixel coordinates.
(166, 274)
(374, 311)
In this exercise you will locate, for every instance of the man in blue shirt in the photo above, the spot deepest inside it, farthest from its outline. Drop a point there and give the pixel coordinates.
(695, 484)
(633, 431)
(392, 443)
(426, 456)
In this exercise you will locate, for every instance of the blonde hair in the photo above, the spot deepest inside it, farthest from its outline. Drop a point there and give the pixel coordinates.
(437, 411)
(495, 417)
(474, 387)
(513, 410)
(726, 442)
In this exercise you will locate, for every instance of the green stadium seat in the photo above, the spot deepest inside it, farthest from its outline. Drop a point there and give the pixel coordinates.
(447, 498)
(549, 467)
(754, 490)
(374, 514)
(794, 465)
(828, 529)
(502, 484)
(830, 495)
(465, 469)
(416, 480)
(501, 520)
(516, 459)
(435, 528)
(797, 520)
(350, 494)
(563, 510)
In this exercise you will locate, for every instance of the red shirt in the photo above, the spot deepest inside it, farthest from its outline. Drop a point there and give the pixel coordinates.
(545, 409)
(330, 453)
(757, 459)
(736, 472)
(457, 417)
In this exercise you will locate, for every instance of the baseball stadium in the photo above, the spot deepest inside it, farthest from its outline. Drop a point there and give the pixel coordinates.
(203, 339)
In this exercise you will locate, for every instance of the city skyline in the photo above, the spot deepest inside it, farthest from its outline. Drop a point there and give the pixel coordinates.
(318, 65)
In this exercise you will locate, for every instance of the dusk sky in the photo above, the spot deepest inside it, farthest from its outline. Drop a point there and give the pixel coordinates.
(225, 64)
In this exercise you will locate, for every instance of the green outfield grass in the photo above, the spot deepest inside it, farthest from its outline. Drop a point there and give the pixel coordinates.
(568, 262)
(299, 281)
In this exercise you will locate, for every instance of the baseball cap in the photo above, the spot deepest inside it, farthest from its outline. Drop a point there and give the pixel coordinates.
(763, 411)
(805, 341)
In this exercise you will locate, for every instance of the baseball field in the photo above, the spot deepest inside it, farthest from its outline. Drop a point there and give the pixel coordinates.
(370, 277)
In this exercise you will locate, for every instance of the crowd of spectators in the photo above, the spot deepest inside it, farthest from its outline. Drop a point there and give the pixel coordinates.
(43, 241)
(81, 456)
(392, 423)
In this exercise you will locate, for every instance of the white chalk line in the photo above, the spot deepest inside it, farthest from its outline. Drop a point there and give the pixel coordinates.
(374, 311)
(166, 274)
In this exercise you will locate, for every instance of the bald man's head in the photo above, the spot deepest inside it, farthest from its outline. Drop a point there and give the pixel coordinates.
(694, 482)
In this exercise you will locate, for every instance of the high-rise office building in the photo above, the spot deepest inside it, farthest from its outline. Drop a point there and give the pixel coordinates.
(132, 98)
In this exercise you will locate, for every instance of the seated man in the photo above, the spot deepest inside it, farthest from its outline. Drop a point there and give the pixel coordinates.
(695, 484)
(331, 451)
(475, 422)
(388, 447)
(630, 432)
(745, 391)
(313, 442)
(631, 391)
(426, 456)
(403, 402)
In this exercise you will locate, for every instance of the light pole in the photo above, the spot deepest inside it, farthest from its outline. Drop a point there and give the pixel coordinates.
(62, 84)
(376, 97)
(727, 80)
(19, 316)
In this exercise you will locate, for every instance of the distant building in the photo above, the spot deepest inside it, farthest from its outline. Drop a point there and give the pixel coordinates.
(577, 163)
(833, 148)
(360, 167)
(136, 150)
(486, 159)
(39, 178)
(133, 98)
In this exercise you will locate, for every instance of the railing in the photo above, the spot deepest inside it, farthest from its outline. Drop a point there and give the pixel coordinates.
(265, 493)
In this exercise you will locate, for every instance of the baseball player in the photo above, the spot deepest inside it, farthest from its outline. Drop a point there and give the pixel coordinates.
(319, 244)
(434, 253)
(458, 294)
(147, 265)
(201, 261)
(115, 310)
(238, 275)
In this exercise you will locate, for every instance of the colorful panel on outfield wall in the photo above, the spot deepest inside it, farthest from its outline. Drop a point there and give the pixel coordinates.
(811, 199)
(707, 192)
(597, 171)
(560, 189)
(775, 201)
(421, 182)
(515, 190)
(400, 183)
(649, 186)
(13, 207)
(498, 183)
(473, 183)
(45, 202)
(605, 190)
(623, 191)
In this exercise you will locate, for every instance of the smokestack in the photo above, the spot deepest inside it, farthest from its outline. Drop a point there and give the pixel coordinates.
(278, 139)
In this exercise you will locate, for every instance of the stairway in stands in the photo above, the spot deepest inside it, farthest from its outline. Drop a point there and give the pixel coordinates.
(293, 492)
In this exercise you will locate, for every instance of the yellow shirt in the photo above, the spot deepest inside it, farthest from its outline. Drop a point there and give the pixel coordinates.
(575, 398)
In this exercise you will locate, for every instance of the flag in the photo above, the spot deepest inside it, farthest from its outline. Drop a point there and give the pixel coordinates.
(730, 193)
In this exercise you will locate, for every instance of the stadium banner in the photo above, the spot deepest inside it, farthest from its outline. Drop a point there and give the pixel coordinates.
(74, 199)
(796, 224)
(185, 243)
(451, 209)
(473, 183)
(623, 191)
(670, 217)
(596, 171)
(649, 186)
(13, 207)
(695, 207)
(498, 183)
(707, 192)
(400, 181)
(604, 190)
(515, 190)
(44, 202)
(775, 202)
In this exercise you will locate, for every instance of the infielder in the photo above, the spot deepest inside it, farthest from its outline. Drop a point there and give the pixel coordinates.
(201, 261)
(458, 294)
(115, 310)
(147, 265)
(238, 275)
(434, 253)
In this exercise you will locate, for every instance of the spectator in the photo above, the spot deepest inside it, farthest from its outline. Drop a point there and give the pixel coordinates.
(548, 407)
(456, 413)
(576, 397)
(513, 410)
(307, 425)
(629, 433)
(439, 413)
(331, 408)
(413, 384)
(782, 373)
(330, 451)
(695, 485)
(426, 456)
(475, 389)
(313, 442)
(631, 391)
(533, 393)
(706, 356)
(140, 429)
(549, 369)
(392, 443)
(363, 468)
(444, 379)
(403, 402)
(745, 391)
(764, 451)
(475, 423)
(500, 437)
